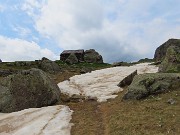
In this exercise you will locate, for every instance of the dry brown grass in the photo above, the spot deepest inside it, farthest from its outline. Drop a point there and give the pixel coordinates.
(153, 116)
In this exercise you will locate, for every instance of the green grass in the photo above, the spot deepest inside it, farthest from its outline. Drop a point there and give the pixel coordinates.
(146, 60)
(84, 64)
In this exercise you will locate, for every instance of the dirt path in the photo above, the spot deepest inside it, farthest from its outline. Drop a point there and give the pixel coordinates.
(87, 119)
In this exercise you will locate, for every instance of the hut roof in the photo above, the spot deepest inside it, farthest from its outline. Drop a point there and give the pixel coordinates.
(72, 51)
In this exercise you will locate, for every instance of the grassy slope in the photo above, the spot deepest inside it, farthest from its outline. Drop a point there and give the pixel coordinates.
(153, 116)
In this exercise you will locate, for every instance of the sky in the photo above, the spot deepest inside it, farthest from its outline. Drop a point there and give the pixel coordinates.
(120, 30)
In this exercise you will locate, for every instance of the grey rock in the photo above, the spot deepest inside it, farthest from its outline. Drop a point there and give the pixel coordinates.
(27, 89)
(72, 59)
(171, 61)
(171, 101)
(91, 56)
(49, 66)
(78, 53)
(44, 58)
(0, 61)
(151, 84)
(160, 52)
(127, 80)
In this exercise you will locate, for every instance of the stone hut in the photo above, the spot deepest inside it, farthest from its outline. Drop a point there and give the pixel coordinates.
(66, 53)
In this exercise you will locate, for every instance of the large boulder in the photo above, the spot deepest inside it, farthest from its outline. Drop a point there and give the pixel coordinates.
(72, 59)
(91, 56)
(49, 66)
(171, 62)
(27, 89)
(160, 52)
(151, 84)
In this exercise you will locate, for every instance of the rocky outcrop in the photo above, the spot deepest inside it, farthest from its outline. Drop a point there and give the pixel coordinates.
(27, 89)
(0, 61)
(48, 66)
(171, 62)
(127, 80)
(75, 56)
(160, 52)
(91, 56)
(151, 84)
(72, 59)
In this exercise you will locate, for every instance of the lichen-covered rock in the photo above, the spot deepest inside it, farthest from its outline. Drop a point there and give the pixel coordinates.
(171, 62)
(48, 66)
(91, 56)
(127, 80)
(150, 84)
(160, 52)
(72, 59)
(27, 89)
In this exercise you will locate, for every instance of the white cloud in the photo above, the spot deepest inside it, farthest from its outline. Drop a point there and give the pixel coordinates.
(18, 49)
(22, 32)
(119, 29)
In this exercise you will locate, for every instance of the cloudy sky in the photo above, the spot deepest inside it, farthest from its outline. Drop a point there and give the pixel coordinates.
(120, 30)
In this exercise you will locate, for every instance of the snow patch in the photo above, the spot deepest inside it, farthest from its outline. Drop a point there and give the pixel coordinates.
(52, 120)
(102, 84)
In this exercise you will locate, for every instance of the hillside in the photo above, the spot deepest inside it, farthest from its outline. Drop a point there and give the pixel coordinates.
(56, 97)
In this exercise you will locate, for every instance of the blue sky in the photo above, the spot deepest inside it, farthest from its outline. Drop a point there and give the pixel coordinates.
(121, 30)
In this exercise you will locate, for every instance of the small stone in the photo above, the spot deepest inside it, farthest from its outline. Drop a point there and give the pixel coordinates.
(171, 101)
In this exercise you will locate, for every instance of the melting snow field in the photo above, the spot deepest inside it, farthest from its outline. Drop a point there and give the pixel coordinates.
(102, 84)
(53, 120)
